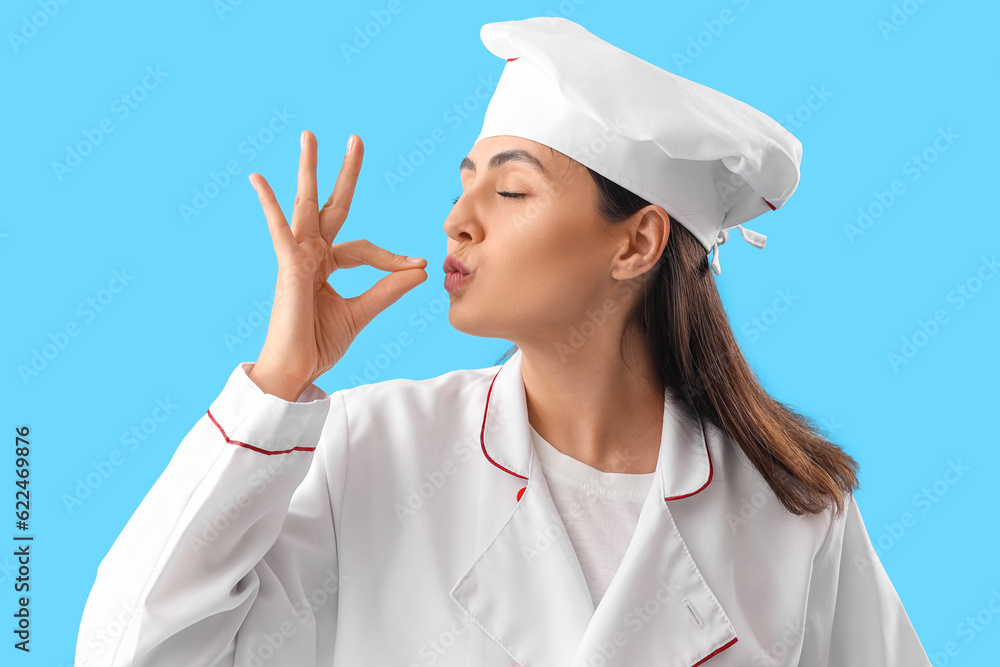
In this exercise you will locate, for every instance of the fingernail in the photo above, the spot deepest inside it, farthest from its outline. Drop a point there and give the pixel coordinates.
(302, 139)
(415, 260)
(252, 183)
(350, 144)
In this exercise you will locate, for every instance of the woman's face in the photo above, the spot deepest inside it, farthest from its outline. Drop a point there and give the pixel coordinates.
(540, 255)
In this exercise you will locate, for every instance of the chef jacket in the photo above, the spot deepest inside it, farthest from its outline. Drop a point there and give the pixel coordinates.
(408, 523)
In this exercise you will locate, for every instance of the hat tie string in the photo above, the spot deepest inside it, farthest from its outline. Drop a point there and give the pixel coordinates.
(754, 238)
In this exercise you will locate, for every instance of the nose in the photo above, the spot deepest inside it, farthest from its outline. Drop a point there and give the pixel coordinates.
(461, 225)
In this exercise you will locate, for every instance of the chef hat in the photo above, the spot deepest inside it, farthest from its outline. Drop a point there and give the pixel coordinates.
(711, 161)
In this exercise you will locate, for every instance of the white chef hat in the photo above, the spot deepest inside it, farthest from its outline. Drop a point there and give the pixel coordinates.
(711, 161)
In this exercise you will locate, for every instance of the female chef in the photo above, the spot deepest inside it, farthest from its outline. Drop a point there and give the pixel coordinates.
(620, 491)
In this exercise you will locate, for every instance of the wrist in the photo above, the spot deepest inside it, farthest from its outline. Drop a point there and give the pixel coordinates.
(276, 384)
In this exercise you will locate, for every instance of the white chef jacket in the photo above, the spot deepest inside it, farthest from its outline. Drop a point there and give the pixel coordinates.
(406, 523)
(598, 509)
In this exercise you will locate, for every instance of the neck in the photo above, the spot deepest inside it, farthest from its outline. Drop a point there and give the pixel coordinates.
(588, 404)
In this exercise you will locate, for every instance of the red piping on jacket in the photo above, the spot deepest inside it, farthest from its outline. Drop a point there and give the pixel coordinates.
(716, 651)
(482, 435)
(769, 204)
(509, 59)
(256, 449)
(709, 455)
(482, 440)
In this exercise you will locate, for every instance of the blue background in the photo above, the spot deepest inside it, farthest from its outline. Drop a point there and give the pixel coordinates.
(887, 91)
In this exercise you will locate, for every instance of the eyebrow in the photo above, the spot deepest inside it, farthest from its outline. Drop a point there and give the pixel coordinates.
(513, 155)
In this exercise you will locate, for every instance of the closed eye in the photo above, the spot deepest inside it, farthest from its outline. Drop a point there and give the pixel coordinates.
(512, 195)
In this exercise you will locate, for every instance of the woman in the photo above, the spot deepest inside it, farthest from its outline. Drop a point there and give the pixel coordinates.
(621, 491)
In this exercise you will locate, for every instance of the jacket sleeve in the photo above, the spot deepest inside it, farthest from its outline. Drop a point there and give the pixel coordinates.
(231, 557)
(854, 617)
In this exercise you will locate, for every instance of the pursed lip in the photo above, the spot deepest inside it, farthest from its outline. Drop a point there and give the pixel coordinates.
(452, 265)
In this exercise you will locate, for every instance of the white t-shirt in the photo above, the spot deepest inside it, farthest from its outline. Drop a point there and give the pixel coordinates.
(599, 509)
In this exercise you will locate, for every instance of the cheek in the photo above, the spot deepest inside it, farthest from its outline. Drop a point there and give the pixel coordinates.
(532, 255)
(548, 270)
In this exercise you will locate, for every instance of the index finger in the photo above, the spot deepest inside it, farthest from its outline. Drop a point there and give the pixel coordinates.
(334, 212)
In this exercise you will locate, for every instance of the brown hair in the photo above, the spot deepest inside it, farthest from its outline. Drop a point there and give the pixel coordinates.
(698, 359)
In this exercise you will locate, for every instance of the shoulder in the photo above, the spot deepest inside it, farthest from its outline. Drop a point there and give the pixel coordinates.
(391, 435)
(752, 509)
(429, 392)
(397, 411)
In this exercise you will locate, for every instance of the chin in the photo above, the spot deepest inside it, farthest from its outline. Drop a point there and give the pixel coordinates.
(460, 321)
(466, 322)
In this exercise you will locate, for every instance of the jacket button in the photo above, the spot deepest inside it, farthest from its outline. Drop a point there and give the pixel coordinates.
(519, 494)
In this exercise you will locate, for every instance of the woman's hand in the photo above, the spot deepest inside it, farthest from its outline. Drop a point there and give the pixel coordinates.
(311, 326)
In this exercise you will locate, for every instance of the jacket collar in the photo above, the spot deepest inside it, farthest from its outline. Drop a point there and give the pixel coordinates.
(527, 591)
(683, 466)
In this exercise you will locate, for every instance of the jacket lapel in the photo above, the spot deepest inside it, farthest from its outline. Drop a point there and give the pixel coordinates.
(658, 605)
(526, 590)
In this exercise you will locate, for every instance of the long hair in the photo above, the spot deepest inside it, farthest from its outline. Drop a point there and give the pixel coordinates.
(698, 360)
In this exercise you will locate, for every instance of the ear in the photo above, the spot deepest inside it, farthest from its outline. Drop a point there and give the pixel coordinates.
(643, 239)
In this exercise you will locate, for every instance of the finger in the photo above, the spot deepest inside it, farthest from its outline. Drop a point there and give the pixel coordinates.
(305, 215)
(334, 212)
(281, 235)
(349, 254)
(365, 307)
